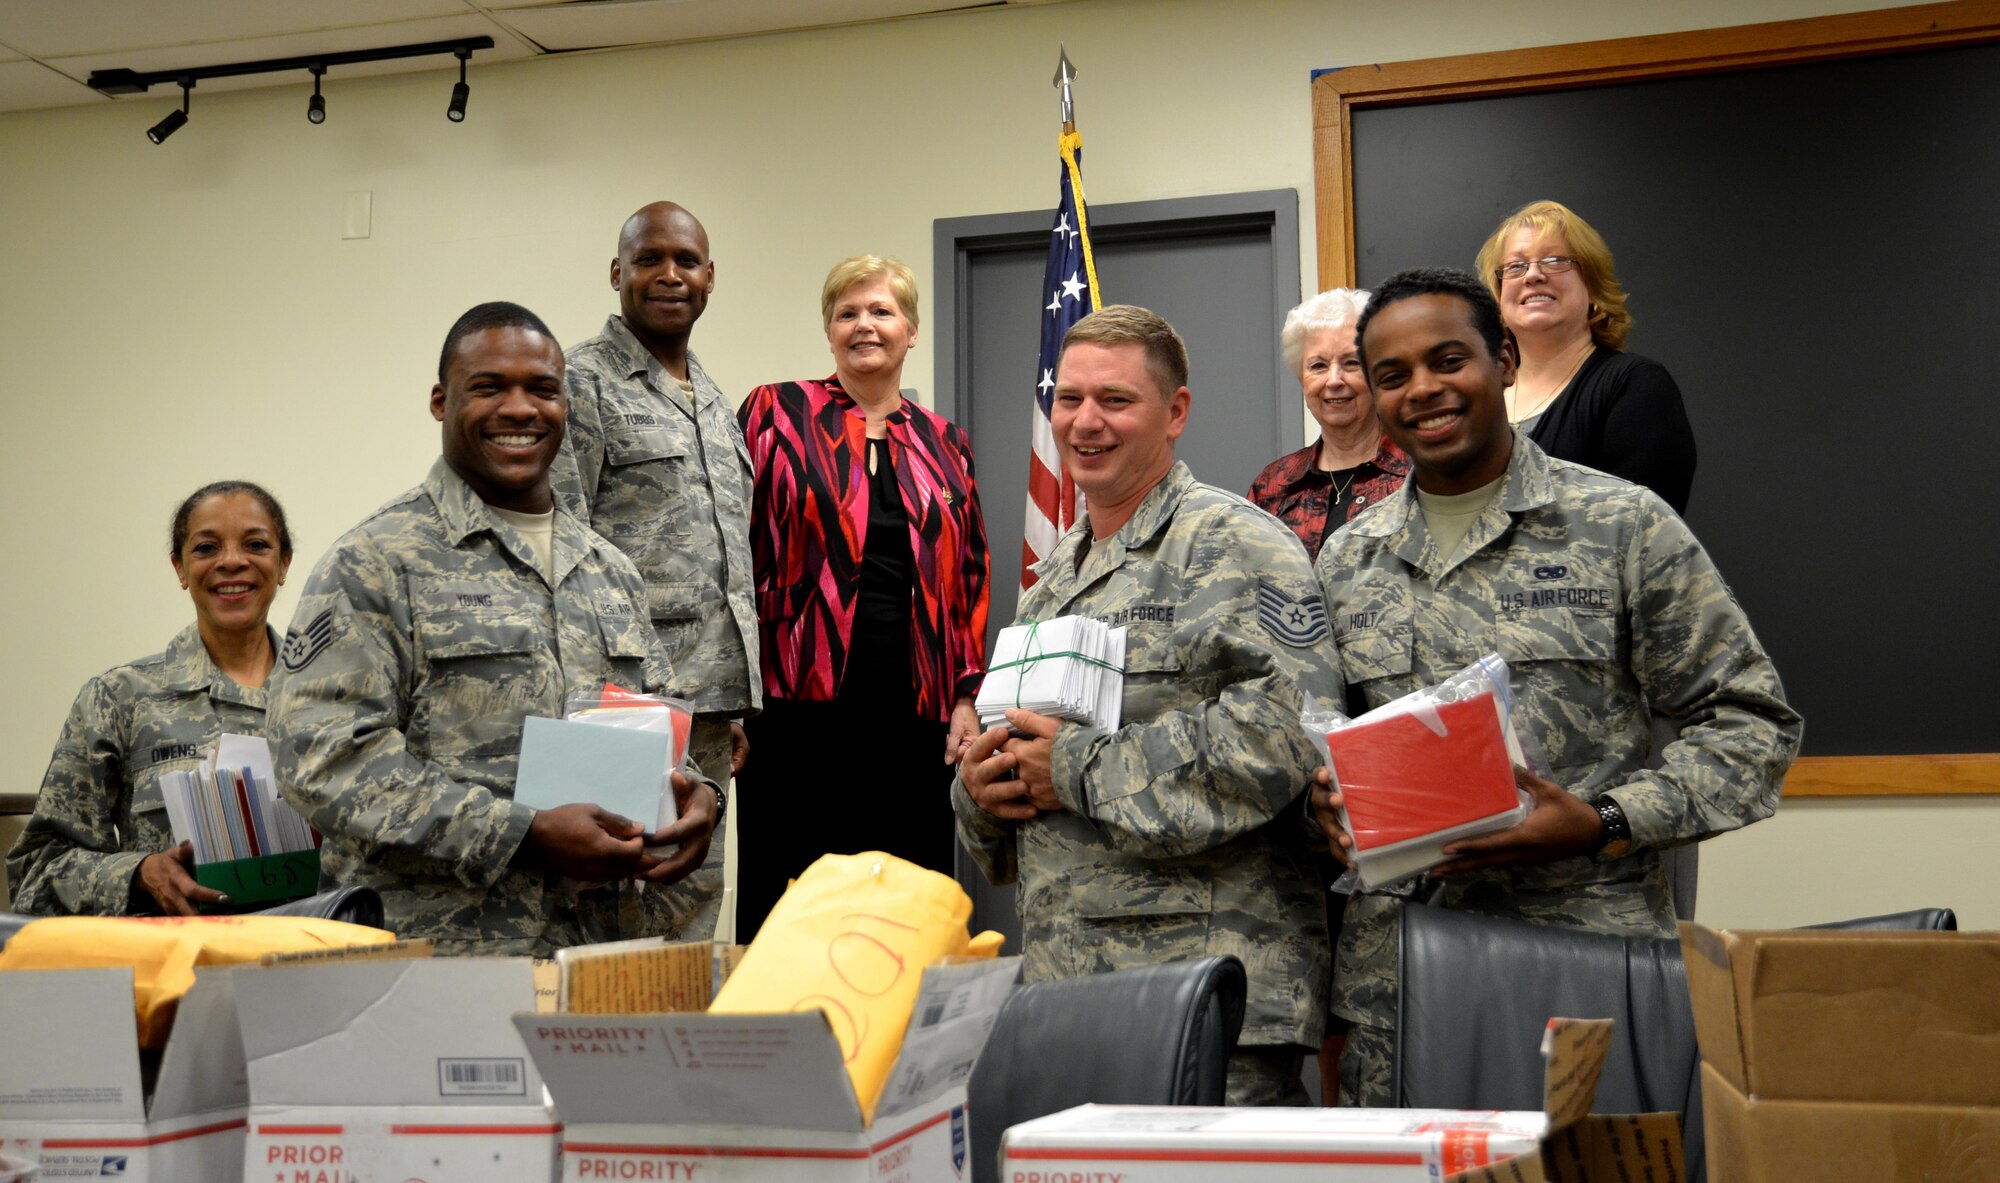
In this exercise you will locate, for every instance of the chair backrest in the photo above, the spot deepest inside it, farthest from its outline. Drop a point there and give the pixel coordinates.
(1934, 919)
(1160, 1035)
(356, 905)
(1477, 993)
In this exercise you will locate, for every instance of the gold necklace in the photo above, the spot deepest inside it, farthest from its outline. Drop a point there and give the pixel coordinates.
(1515, 412)
(1340, 491)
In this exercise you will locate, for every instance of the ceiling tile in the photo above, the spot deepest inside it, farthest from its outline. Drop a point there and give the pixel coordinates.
(601, 23)
(25, 86)
(72, 28)
(506, 47)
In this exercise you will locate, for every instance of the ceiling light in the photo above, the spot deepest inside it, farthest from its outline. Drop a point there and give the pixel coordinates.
(316, 106)
(456, 111)
(118, 82)
(175, 120)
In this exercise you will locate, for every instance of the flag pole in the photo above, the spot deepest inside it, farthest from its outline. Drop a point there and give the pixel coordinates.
(1065, 72)
(1070, 282)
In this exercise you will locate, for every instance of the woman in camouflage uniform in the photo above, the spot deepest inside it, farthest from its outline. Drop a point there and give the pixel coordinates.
(99, 842)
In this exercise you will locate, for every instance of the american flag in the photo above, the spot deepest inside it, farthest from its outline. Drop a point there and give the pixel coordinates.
(1070, 279)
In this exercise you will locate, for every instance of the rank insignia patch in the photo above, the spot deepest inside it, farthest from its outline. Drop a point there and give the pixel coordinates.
(302, 646)
(1297, 623)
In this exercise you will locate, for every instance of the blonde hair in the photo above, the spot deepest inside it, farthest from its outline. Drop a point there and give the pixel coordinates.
(1128, 324)
(1610, 323)
(860, 269)
(1335, 308)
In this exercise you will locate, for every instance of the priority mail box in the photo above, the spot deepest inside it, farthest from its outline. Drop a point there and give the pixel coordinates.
(727, 1098)
(1830, 1055)
(383, 1071)
(1191, 1144)
(74, 1099)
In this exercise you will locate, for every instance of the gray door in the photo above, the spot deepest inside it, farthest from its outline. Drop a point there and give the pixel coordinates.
(1223, 270)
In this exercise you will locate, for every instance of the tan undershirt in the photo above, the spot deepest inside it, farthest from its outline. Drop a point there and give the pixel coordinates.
(1449, 517)
(540, 531)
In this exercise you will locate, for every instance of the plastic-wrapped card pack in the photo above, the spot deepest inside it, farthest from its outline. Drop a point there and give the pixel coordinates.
(1427, 769)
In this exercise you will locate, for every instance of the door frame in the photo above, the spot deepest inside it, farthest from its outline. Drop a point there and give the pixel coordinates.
(955, 241)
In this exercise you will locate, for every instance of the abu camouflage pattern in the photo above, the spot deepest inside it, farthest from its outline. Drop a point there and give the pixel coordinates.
(99, 813)
(398, 735)
(1182, 835)
(1607, 611)
(668, 484)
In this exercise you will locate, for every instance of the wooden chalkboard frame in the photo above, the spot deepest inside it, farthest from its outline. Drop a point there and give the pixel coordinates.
(1336, 93)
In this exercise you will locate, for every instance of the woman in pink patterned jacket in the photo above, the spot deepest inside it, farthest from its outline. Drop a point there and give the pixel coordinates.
(870, 557)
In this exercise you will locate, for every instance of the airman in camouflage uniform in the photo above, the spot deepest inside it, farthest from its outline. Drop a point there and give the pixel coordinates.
(1606, 609)
(423, 639)
(656, 463)
(100, 813)
(1180, 834)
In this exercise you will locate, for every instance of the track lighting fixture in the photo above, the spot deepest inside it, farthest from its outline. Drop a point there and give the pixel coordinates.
(456, 111)
(175, 120)
(124, 82)
(316, 106)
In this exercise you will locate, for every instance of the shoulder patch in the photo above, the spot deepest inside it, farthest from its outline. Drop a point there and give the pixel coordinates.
(301, 646)
(1298, 623)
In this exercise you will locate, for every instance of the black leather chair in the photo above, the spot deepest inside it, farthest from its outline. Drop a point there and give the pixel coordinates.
(355, 905)
(1477, 993)
(1920, 919)
(1161, 1035)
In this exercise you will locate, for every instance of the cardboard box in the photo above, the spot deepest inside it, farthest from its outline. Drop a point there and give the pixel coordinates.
(723, 1098)
(388, 1070)
(1832, 1055)
(1159, 1144)
(73, 1095)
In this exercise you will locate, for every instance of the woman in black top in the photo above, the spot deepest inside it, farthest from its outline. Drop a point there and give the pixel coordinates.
(1575, 394)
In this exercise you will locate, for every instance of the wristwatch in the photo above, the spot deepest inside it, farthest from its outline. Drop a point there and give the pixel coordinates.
(721, 806)
(1617, 840)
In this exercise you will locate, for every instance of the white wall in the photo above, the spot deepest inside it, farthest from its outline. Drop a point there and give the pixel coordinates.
(180, 313)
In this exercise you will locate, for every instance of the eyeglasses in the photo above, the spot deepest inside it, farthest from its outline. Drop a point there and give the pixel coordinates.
(1550, 265)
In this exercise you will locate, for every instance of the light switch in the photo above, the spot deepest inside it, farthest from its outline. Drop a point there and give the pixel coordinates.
(360, 209)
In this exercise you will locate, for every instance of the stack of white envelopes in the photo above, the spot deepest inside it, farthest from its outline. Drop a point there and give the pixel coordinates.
(1071, 667)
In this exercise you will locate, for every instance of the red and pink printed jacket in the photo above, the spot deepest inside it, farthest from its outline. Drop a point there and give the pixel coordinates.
(809, 522)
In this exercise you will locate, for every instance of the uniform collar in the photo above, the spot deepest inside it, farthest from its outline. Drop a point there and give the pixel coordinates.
(464, 514)
(1527, 485)
(1157, 509)
(188, 667)
(1155, 513)
(637, 361)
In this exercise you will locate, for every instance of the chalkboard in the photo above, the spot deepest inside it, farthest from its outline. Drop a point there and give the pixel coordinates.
(1813, 251)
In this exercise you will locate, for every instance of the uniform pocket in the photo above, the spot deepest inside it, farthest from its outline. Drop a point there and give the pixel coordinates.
(1371, 654)
(676, 600)
(638, 445)
(1572, 636)
(1115, 897)
(484, 655)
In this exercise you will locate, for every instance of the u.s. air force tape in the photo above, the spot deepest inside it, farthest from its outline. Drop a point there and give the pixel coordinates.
(302, 645)
(1296, 622)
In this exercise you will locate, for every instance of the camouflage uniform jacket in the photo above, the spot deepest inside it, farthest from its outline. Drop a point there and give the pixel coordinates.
(1607, 610)
(1181, 834)
(668, 484)
(100, 812)
(424, 638)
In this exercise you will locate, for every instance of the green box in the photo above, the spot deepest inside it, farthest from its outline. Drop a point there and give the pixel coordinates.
(270, 879)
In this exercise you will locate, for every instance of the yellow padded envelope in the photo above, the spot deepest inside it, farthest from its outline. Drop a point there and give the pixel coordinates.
(164, 950)
(851, 938)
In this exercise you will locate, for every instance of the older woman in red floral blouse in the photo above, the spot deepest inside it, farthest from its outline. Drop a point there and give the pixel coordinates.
(1352, 465)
